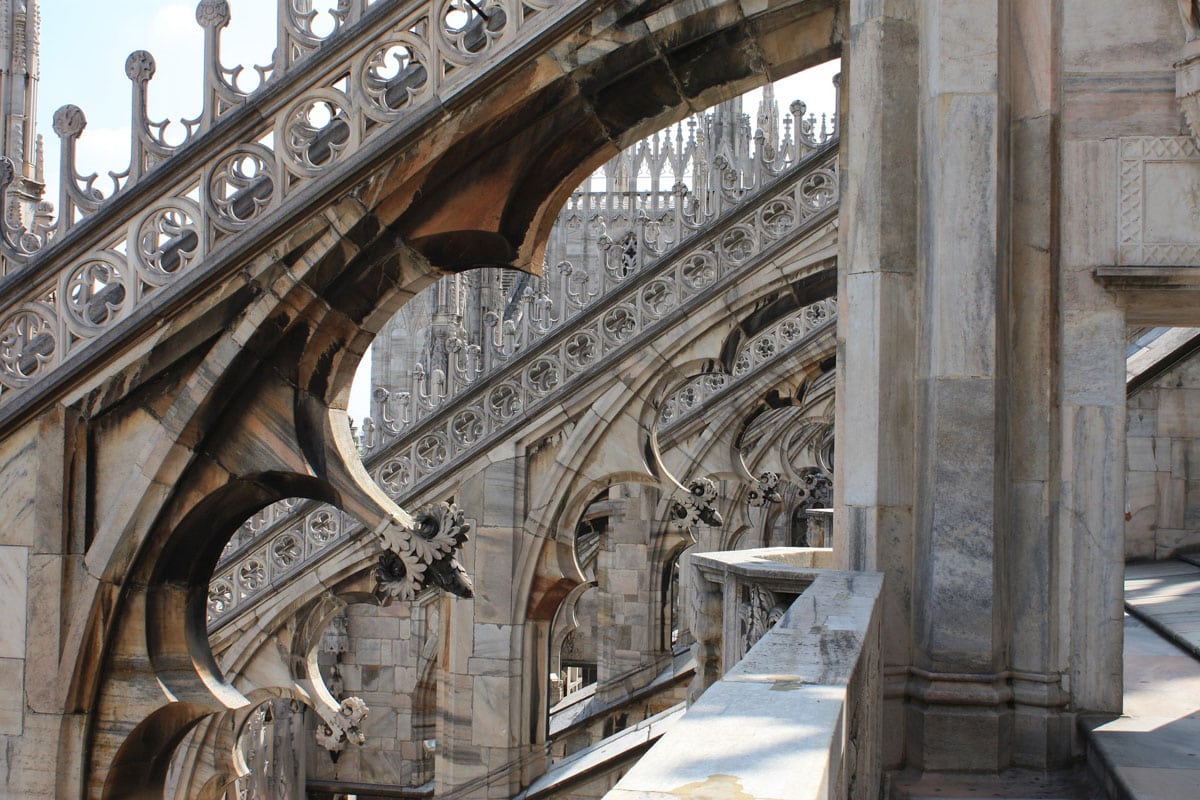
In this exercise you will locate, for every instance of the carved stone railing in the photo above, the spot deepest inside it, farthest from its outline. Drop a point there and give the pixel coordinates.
(282, 541)
(797, 716)
(251, 159)
(761, 349)
(603, 240)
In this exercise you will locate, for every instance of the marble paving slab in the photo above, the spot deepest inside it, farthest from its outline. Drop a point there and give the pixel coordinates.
(1166, 596)
(1152, 751)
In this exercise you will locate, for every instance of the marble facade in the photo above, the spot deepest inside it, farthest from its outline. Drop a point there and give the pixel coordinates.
(1016, 185)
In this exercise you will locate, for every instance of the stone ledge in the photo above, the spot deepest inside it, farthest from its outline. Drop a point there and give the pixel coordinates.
(798, 717)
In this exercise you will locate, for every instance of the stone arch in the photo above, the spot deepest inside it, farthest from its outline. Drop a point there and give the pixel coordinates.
(339, 315)
(567, 615)
(139, 767)
(624, 410)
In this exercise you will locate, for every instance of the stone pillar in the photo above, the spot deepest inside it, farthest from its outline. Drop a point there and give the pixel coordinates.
(626, 622)
(1041, 730)
(1097, 193)
(958, 702)
(875, 423)
(480, 727)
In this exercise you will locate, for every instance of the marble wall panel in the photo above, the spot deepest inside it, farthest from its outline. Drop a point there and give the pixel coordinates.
(490, 711)
(876, 401)
(1107, 105)
(14, 588)
(18, 485)
(1097, 35)
(492, 571)
(1031, 592)
(961, 51)
(493, 641)
(956, 587)
(12, 696)
(1091, 543)
(1159, 200)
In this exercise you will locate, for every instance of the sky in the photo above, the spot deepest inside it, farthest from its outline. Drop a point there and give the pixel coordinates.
(83, 50)
(84, 47)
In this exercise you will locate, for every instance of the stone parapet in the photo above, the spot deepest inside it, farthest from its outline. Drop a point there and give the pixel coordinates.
(799, 715)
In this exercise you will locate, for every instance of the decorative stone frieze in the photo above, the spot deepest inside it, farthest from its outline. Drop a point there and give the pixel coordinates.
(1159, 201)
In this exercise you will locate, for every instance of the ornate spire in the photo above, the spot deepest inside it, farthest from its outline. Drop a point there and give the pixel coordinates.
(20, 25)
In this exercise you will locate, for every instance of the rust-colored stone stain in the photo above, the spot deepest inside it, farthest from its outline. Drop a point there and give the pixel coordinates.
(714, 787)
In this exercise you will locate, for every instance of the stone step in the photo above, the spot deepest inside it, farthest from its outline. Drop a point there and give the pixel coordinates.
(1014, 784)
(1165, 595)
(1152, 751)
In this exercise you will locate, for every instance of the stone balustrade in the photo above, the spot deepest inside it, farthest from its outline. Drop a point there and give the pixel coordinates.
(797, 715)
(253, 159)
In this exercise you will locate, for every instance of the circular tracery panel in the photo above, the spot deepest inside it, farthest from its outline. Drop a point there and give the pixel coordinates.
(94, 294)
(323, 526)
(778, 217)
(167, 241)
(241, 186)
(315, 132)
(698, 270)
(393, 75)
(581, 350)
(27, 344)
(737, 244)
(467, 428)
(395, 475)
(470, 27)
(504, 402)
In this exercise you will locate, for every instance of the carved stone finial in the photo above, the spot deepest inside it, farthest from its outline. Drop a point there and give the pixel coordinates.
(212, 13)
(69, 121)
(343, 726)
(140, 66)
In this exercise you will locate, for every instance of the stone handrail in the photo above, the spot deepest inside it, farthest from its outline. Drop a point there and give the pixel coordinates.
(301, 533)
(798, 716)
(252, 160)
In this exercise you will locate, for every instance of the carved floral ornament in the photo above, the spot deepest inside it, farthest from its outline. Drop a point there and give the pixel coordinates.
(425, 556)
(343, 726)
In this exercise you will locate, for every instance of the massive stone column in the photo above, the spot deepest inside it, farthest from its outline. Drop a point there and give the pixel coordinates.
(1121, 128)
(876, 335)
(1041, 732)
(957, 694)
